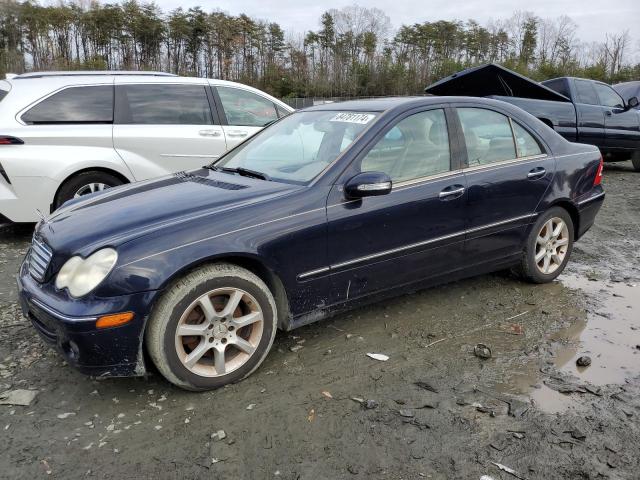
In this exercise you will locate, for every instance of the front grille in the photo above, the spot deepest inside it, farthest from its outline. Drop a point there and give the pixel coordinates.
(39, 258)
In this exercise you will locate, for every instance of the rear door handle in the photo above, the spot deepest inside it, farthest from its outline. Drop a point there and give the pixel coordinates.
(536, 173)
(209, 133)
(452, 192)
(237, 133)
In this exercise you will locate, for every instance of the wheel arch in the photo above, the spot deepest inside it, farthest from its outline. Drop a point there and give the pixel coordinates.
(573, 211)
(107, 170)
(255, 265)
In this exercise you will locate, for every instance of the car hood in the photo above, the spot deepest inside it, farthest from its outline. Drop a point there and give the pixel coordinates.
(114, 216)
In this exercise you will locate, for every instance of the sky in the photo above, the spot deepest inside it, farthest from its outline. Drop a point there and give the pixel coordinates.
(593, 17)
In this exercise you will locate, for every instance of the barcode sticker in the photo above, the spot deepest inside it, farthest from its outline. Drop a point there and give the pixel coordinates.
(351, 117)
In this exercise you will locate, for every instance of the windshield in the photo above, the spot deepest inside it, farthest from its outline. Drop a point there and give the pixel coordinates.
(298, 147)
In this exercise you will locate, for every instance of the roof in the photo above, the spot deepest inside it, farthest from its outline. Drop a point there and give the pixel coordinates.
(492, 79)
(403, 103)
(374, 104)
(90, 73)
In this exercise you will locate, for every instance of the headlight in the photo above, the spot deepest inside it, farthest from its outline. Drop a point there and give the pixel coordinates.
(81, 275)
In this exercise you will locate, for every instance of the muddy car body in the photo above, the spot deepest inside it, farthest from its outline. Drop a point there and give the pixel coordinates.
(263, 236)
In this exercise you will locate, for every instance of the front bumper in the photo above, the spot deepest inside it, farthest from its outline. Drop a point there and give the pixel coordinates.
(69, 326)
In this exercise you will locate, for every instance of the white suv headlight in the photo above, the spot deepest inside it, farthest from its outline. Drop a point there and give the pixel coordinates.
(81, 275)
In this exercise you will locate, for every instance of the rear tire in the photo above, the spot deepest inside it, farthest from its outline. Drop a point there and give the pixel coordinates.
(199, 338)
(548, 247)
(84, 183)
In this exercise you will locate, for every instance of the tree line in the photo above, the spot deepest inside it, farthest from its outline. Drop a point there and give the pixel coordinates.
(354, 52)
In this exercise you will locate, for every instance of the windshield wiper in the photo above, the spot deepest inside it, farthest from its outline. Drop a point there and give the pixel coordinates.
(245, 172)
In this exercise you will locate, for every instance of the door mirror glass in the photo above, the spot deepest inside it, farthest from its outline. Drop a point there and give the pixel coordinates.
(368, 184)
(632, 102)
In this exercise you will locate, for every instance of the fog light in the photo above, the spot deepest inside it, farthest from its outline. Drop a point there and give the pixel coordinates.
(114, 320)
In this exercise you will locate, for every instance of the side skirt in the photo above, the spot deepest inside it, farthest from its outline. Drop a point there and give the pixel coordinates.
(406, 289)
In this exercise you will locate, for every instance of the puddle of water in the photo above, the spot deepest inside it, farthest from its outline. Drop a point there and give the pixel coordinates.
(528, 383)
(609, 336)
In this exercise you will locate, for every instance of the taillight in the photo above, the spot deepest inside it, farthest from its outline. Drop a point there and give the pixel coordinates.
(7, 140)
(598, 180)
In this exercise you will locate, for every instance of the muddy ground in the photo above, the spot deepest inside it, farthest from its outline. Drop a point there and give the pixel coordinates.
(528, 408)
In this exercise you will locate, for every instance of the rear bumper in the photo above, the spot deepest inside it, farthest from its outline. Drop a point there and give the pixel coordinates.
(113, 351)
(588, 208)
(20, 199)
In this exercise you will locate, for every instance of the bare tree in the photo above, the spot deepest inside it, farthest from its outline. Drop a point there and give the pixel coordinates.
(615, 46)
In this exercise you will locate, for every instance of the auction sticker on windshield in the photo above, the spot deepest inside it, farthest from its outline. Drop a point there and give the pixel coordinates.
(350, 117)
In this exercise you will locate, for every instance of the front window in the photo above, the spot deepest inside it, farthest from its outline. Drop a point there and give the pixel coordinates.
(416, 147)
(244, 108)
(300, 146)
(608, 96)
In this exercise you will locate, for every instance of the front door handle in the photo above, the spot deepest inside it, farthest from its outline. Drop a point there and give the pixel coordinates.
(536, 173)
(452, 192)
(608, 113)
(237, 133)
(209, 133)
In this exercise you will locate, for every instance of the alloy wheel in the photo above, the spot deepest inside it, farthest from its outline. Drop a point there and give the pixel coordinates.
(219, 332)
(90, 188)
(552, 244)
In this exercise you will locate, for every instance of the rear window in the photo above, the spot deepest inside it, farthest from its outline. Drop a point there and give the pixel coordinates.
(558, 85)
(586, 93)
(74, 105)
(3, 93)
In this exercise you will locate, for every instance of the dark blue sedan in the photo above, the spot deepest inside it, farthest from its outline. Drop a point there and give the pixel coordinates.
(329, 208)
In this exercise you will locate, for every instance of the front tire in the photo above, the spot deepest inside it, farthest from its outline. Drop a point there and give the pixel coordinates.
(213, 327)
(548, 246)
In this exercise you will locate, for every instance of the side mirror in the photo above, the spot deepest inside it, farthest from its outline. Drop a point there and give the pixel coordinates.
(368, 184)
(632, 102)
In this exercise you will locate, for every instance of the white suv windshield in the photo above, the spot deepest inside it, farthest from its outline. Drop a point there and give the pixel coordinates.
(300, 146)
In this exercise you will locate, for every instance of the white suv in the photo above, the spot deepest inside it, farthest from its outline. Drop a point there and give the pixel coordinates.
(65, 134)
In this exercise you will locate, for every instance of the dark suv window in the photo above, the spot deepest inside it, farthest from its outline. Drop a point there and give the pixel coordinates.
(163, 105)
(608, 96)
(74, 105)
(586, 93)
(558, 85)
